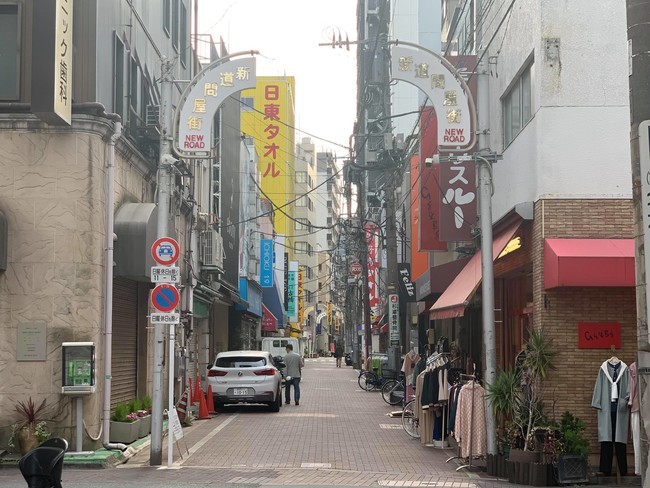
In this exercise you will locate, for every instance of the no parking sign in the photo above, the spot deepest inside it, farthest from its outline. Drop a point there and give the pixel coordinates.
(165, 297)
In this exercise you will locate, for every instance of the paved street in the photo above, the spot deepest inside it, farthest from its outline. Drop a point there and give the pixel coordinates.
(338, 436)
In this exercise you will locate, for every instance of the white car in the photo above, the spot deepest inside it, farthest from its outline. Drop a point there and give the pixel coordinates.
(245, 377)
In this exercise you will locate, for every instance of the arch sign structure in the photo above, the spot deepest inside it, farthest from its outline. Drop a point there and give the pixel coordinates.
(448, 92)
(202, 98)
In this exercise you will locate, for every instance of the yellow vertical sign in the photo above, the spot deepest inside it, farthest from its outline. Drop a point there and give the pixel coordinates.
(301, 297)
(329, 313)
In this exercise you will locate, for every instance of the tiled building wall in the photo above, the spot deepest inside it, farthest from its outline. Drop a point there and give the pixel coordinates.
(558, 310)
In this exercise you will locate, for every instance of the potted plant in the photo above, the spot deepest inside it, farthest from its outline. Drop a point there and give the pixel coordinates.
(125, 425)
(573, 449)
(31, 428)
(144, 414)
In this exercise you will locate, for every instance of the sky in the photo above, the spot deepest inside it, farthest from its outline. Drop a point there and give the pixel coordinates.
(287, 34)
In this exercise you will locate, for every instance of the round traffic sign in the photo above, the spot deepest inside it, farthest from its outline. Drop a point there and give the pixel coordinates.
(356, 268)
(165, 297)
(165, 251)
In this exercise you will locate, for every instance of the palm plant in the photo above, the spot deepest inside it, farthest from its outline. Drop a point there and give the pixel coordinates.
(29, 413)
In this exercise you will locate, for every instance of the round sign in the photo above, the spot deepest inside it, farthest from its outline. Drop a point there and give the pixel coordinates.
(165, 297)
(356, 268)
(165, 251)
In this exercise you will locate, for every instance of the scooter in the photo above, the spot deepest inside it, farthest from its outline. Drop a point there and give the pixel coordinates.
(348, 359)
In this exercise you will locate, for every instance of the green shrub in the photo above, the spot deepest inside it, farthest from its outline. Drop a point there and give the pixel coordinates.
(121, 412)
(572, 438)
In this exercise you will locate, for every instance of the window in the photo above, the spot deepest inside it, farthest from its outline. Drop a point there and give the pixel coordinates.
(167, 17)
(517, 106)
(303, 201)
(247, 104)
(9, 52)
(133, 86)
(301, 247)
(175, 24)
(329, 221)
(301, 224)
(183, 40)
(301, 177)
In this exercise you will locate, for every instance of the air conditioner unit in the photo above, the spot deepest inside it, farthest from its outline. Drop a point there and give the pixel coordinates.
(152, 117)
(212, 250)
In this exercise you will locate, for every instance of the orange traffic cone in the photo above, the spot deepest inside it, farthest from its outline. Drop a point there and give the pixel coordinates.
(190, 399)
(203, 409)
(197, 389)
(181, 406)
(210, 401)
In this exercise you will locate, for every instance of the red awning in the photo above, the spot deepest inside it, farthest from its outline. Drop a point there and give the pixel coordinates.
(456, 297)
(588, 262)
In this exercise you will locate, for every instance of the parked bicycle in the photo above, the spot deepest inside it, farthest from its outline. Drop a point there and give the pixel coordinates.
(370, 381)
(410, 421)
(393, 391)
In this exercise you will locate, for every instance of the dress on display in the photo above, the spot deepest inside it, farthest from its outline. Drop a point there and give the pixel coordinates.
(470, 429)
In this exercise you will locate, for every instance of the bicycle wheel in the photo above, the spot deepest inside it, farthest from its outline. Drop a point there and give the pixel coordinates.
(393, 392)
(367, 381)
(410, 422)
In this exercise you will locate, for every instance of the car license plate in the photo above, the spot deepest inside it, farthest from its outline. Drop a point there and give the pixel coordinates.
(240, 391)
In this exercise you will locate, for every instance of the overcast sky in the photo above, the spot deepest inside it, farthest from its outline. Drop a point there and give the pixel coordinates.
(287, 34)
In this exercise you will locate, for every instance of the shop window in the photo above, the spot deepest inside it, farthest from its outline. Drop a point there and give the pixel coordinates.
(10, 52)
(517, 106)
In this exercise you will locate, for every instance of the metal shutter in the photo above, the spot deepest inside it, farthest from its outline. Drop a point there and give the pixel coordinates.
(125, 340)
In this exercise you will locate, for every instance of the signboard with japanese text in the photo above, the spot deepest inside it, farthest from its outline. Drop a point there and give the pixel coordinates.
(292, 291)
(447, 92)
(373, 264)
(52, 61)
(393, 319)
(301, 295)
(599, 335)
(203, 97)
(165, 274)
(266, 263)
(165, 318)
(458, 212)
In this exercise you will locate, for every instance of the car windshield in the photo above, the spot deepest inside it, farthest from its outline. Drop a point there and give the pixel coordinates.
(240, 362)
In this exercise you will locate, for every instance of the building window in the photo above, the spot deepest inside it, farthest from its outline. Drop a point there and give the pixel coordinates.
(167, 17)
(301, 224)
(133, 88)
(183, 39)
(517, 106)
(329, 221)
(175, 23)
(303, 201)
(247, 104)
(9, 52)
(301, 247)
(301, 177)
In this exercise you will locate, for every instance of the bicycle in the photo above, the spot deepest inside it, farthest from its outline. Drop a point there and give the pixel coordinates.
(410, 422)
(369, 381)
(393, 391)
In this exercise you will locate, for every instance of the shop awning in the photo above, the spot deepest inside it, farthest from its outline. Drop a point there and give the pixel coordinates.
(456, 297)
(588, 262)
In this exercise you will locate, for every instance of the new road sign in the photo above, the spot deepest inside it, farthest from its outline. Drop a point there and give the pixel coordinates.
(165, 251)
(165, 298)
(165, 274)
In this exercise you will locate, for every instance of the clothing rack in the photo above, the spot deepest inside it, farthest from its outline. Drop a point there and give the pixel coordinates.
(469, 378)
(432, 360)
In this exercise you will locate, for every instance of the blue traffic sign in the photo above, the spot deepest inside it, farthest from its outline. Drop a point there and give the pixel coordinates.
(165, 297)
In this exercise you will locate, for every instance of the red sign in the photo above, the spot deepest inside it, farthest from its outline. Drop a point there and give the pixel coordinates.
(356, 268)
(599, 335)
(165, 251)
(165, 297)
(459, 201)
(269, 321)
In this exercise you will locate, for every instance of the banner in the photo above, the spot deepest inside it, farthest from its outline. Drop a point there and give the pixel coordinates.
(406, 286)
(292, 292)
(266, 263)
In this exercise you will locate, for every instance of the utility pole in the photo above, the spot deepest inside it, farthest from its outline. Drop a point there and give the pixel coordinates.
(638, 34)
(394, 352)
(487, 261)
(164, 188)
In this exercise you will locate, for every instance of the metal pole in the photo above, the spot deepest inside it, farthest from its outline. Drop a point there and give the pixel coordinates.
(170, 432)
(80, 423)
(164, 183)
(487, 262)
(638, 19)
(391, 257)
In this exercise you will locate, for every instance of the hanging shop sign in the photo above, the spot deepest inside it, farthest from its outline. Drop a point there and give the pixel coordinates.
(458, 212)
(599, 335)
(393, 319)
(448, 92)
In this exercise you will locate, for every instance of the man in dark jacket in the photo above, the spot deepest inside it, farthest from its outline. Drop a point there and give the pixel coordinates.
(338, 354)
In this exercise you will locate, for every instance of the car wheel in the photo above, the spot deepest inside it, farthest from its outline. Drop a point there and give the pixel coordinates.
(218, 406)
(275, 406)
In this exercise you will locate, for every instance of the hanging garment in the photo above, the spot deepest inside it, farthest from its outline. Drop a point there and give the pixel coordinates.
(635, 424)
(470, 429)
(410, 360)
(612, 394)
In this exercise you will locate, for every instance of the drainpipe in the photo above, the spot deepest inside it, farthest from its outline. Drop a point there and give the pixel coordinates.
(108, 288)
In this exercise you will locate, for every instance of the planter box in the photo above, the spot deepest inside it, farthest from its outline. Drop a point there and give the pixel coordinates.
(542, 474)
(571, 468)
(124, 432)
(145, 426)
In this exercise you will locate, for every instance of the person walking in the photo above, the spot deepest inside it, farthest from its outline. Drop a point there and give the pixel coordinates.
(294, 363)
(338, 354)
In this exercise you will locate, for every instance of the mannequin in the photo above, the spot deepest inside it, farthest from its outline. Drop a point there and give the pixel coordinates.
(610, 398)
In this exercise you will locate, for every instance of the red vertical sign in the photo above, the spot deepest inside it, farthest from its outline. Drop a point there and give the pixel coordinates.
(371, 232)
(458, 213)
(429, 184)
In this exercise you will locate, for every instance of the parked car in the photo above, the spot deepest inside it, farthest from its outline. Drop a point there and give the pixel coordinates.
(245, 377)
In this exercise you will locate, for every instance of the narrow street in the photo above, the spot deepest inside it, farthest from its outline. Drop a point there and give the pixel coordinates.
(340, 435)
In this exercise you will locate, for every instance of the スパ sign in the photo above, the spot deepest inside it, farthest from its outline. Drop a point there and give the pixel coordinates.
(165, 251)
(165, 298)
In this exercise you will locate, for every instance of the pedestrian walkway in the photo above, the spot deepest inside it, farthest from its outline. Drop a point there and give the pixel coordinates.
(339, 435)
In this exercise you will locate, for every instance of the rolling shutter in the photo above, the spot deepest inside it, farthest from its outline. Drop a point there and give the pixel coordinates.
(125, 340)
